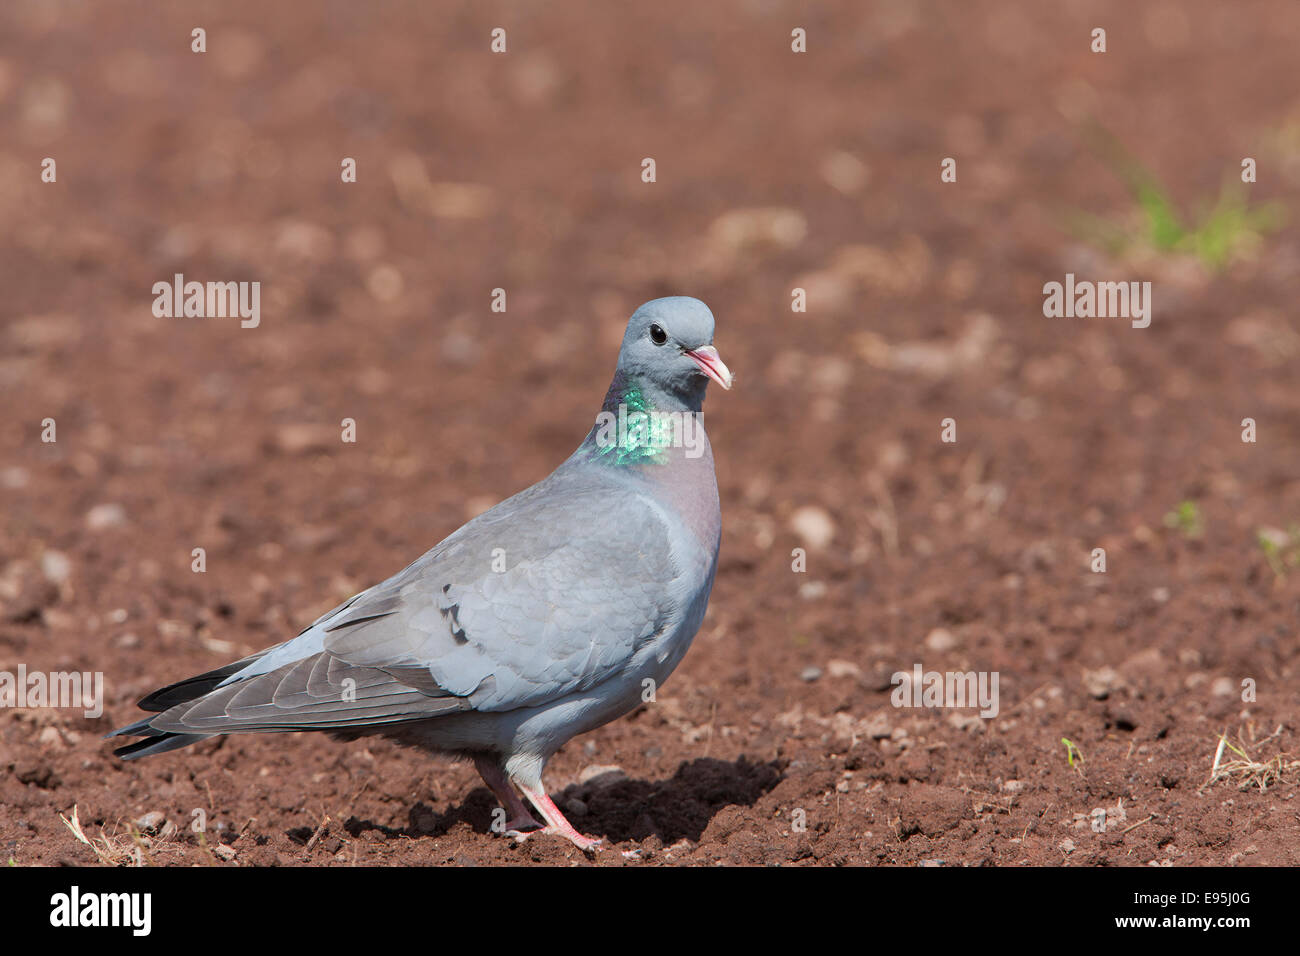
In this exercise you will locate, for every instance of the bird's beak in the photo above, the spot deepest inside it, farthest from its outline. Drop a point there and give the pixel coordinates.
(711, 364)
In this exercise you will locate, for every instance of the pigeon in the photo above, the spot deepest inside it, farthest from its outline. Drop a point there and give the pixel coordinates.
(553, 613)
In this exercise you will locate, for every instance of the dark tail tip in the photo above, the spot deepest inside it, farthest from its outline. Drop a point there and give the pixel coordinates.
(159, 743)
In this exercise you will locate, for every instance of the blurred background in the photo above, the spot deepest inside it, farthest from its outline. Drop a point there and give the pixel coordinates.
(774, 171)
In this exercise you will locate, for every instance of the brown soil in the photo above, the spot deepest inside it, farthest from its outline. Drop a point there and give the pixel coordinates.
(774, 171)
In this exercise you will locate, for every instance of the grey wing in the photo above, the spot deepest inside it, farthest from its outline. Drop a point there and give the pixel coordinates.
(556, 598)
(524, 605)
(320, 692)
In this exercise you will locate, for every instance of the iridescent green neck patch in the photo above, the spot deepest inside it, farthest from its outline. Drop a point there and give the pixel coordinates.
(637, 434)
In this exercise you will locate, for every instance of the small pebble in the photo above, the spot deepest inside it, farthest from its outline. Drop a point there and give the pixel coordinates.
(55, 566)
(103, 517)
(1223, 687)
(940, 639)
(151, 822)
(1101, 682)
(839, 668)
(812, 590)
(601, 774)
(814, 525)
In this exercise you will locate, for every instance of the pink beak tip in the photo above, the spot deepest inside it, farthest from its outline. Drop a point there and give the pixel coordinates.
(710, 362)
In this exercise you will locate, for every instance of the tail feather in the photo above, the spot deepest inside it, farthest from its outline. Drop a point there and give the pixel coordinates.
(140, 728)
(191, 689)
(319, 692)
(195, 687)
(158, 743)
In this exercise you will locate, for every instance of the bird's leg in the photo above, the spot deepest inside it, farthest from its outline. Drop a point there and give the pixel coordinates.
(499, 783)
(555, 822)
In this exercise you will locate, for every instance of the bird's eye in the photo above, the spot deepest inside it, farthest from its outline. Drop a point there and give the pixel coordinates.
(657, 335)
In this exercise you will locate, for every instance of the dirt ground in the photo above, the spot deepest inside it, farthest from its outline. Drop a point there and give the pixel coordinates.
(776, 741)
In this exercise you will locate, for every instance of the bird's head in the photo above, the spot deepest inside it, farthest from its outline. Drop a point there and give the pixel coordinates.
(668, 347)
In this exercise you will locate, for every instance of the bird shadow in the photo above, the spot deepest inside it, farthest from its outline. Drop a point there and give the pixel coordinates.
(614, 806)
(680, 807)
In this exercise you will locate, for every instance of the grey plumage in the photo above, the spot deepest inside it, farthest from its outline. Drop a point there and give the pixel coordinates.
(540, 619)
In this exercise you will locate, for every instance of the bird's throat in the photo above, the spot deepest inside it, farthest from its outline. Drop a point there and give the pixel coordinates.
(633, 428)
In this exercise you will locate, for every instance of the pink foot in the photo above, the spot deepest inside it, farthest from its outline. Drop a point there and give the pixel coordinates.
(584, 843)
(555, 821)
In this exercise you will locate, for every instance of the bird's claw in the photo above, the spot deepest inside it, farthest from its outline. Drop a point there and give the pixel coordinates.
(589, 844)
(584, 843)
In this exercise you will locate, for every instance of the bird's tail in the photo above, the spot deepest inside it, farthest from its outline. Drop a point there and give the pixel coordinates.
(317, 692)
(155, 741)
(160, 741)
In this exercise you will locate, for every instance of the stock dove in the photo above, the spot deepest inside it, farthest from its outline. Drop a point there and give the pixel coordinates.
(543, 618)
